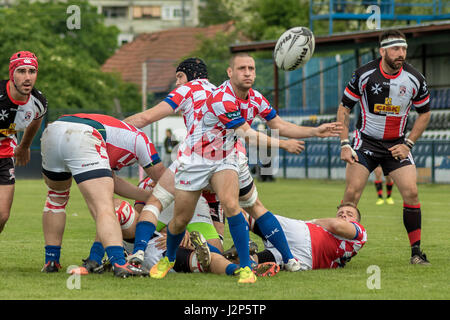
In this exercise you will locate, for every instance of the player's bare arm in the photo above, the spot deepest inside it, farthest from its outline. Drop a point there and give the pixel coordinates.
(337, 226)
(401, 151)
(155, 172)
(144, 118)
(254, 137)
(291, 130)
(22, 151)
(128, 190)
(343, 117)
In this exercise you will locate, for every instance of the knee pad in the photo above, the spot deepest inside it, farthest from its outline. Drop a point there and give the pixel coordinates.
(125, 214)
(250, 201)
(53, 206)
(164, 196)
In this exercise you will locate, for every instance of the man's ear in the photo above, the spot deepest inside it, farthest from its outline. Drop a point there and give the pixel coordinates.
(229, 72)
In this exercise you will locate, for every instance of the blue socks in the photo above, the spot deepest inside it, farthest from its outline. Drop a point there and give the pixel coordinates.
(52, 253)
(213, 249)
(173, 242)
(272, 231)
(143, 234)
(116, 255)
(97, 252)
(239, 232)
(231, 268)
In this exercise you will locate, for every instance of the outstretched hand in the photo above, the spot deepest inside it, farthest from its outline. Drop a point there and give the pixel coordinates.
(292, 145)
(332, 129)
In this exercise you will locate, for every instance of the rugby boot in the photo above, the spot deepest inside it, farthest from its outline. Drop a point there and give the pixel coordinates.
(246, 275)
(51, 266)
(420, 258)
(159, 270)
(128, 270)
(201, 249)
(136, 258)
(389, 200)
(88, 266)
(231, 253)
(266, 269)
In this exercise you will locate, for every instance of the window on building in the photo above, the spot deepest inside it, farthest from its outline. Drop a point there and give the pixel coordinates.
(146, 12)
(176, 13)
(115, 12)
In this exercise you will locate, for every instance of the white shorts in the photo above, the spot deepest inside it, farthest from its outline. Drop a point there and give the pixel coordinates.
(299, 240)
(245, 177)
(74, 148)
(196, 177)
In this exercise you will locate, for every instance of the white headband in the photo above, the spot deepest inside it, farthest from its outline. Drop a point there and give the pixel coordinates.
(392, 42)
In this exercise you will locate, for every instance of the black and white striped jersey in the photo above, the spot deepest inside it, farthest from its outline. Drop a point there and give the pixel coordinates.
(386, 99)
(16, 116)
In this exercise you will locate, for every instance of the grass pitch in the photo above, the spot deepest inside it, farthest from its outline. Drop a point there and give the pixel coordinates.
(380, 271)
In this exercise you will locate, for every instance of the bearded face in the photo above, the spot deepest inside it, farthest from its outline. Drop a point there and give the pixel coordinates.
(394, 57)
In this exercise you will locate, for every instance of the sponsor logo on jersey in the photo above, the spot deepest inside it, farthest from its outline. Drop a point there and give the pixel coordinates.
(387, 107)
(10, 130)
(233, 115)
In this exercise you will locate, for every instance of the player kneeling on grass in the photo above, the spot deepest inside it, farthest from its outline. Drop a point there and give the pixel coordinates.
(319, 243)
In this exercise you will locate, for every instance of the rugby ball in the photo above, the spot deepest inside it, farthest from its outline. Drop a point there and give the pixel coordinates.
(294, 48)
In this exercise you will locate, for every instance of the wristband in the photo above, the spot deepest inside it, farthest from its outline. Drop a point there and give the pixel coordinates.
(409, 143)
(345, 142)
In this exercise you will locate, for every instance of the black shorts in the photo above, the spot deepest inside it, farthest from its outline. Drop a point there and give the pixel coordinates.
(372, 152)
(7, 171)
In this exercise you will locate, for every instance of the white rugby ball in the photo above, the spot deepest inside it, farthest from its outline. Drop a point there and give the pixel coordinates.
(294, 48)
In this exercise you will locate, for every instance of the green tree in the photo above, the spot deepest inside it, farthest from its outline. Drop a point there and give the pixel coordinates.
(214, 12)
(216, 53)
(69, 59)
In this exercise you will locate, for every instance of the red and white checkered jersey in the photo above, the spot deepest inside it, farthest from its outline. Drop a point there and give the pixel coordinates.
(386, 99)
(212, 136)
(125, 144)
(189, 98)
(332, 251)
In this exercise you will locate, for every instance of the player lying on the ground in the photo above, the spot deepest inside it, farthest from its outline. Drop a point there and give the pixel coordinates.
(317, 244)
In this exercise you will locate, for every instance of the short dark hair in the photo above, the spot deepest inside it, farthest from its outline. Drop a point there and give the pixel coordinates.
(351, 204)
(391, 34)
(238, 54)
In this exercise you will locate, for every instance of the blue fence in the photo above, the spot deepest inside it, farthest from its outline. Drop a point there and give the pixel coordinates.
(321, 159)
